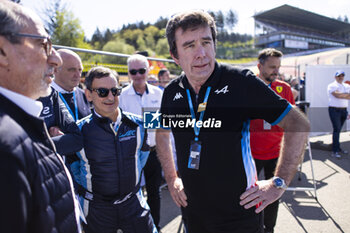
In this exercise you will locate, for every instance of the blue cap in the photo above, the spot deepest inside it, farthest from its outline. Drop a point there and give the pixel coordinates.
(339, 72)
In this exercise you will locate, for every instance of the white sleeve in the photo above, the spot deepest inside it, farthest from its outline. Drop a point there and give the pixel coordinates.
(331, 88)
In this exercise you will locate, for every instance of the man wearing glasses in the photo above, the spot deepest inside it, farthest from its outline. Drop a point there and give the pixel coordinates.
(108, 171)
(136, 98)
(38, 192)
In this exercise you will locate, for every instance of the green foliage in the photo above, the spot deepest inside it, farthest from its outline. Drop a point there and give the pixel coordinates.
(117, 46)
(68, 31)
(229, 50)
(143, 37)
(162, 47)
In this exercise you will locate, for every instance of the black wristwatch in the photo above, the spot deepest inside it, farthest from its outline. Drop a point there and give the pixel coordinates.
(279, 183)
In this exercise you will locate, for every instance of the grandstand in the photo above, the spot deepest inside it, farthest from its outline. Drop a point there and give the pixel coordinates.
(291, 30)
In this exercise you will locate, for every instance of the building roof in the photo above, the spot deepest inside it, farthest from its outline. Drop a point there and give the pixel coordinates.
(290, 15)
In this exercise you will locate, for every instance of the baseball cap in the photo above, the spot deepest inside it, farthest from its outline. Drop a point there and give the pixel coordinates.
(339, 72)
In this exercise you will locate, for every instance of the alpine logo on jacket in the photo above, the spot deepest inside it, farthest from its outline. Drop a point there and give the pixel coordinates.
(177, 96)
(127, 135)
(223, 90)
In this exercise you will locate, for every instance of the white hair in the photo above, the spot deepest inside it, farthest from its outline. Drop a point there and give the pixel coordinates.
(138, 57)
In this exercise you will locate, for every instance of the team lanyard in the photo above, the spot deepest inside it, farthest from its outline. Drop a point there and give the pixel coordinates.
(75, 117)
(196, 129)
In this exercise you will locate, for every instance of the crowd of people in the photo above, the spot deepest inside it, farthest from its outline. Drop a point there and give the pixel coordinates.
(72, 159)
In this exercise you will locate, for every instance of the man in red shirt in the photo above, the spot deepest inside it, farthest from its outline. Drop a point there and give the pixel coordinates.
(265, 139)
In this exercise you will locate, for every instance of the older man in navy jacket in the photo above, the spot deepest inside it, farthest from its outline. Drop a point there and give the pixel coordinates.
(37, 193)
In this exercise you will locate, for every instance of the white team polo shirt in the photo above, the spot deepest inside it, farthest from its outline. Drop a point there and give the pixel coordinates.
(130, 101)
(341, 88)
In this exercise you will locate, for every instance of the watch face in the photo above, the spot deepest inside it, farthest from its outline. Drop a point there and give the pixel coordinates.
(278, 182)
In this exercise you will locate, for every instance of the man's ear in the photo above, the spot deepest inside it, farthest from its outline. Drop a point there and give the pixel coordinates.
(88, 95)
(174, 58)
(3, 52)
(259, 66)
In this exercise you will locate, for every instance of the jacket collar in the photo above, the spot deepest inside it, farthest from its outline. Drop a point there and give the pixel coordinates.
(29, 105)
(122, 118)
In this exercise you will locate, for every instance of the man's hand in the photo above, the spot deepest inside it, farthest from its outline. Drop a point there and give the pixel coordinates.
(177, 192)
(55, 131)
(261, 195)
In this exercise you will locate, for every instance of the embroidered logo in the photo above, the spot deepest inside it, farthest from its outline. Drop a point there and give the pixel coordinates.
(177, 96)
(223, 90)
(127, 135)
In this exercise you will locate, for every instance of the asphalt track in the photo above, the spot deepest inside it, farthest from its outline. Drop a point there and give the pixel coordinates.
(299, 211)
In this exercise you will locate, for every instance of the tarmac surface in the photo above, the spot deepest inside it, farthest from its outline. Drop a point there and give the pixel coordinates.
(301, 211)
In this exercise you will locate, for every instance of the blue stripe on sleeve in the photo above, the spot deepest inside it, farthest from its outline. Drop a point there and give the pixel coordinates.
(248, 161)
(289, 107)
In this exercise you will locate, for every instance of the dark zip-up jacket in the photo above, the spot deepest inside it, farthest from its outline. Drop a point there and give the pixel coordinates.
(56, 114)
(36, 194)
(111, 162)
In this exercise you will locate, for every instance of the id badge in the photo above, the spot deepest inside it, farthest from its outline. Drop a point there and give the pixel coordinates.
(195, 155)
(267, 125)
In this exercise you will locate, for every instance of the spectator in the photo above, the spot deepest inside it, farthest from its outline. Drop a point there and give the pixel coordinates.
(219, 185)
(37, 193)
(295, 87)
(164, 78)
(136, 98)
(153, 80)
(302, 90)
(338, 96)
(67, 79)
(265, 139)
(108, 171)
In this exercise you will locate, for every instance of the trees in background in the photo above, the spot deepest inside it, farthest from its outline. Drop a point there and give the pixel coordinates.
(151, 37)
(65, 29)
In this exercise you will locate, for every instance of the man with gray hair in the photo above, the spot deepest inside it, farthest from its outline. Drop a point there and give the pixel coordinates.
(136, 98)
(38, 192)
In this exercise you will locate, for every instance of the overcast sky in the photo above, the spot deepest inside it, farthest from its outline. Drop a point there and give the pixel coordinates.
(113, 14)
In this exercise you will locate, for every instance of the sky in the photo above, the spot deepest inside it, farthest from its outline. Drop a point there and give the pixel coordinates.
(113, 14)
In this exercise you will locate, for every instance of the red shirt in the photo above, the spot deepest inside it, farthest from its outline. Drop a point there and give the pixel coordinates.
(265, 140)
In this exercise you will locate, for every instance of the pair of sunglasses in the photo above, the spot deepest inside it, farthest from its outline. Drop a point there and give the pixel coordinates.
(140, 71)
(104, 92)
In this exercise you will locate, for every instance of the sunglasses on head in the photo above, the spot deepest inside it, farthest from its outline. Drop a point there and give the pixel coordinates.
(104, 92)
(141, 71)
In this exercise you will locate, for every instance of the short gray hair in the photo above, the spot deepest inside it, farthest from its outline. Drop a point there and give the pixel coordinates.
(12, 20)
(137, 57)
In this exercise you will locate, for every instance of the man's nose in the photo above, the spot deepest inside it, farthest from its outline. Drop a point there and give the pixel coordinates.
(200, 51)
(54, 59)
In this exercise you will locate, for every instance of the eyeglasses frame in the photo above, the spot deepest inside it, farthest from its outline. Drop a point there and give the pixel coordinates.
(47, 44)
(119, 91)
(138, 71)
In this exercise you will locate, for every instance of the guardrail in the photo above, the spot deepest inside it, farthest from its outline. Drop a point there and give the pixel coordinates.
(108, 53)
